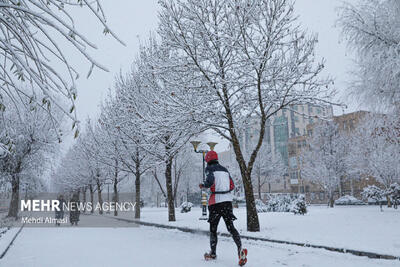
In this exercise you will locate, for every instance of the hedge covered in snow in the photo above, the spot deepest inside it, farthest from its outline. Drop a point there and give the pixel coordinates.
(283, 203)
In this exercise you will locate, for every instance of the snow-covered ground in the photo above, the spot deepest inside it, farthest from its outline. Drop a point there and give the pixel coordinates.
(353, 227)
(148, 246)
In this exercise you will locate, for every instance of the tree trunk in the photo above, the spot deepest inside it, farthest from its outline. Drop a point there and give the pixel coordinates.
(13, 209)
(253, 224)
(91, 197)
(389, 202)
(115, 187)
(331, 200)
(100, 198)
(84, 198)
(351, 187)
(137, 190)
(170, 195)
(115, 195)
(259, 186)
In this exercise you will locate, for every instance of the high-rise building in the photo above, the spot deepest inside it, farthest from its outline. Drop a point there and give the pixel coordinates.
(287, 123)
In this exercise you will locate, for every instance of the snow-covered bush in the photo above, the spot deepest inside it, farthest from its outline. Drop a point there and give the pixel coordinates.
(394, 193)
(186, 207)
(279, 203)
(348, 200)
(298, 205)
(261, 207)
(374, 193)
(286, 203)
(5, 225)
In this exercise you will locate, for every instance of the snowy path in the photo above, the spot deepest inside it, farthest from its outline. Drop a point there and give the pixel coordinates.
(146, 246)
(353, 227)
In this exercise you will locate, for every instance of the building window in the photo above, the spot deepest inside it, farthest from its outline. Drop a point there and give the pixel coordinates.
(293, 163)
(292, 149)
(281, 136)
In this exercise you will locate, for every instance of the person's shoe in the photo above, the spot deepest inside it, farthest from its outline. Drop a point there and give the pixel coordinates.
(242, 257)
(209, 256)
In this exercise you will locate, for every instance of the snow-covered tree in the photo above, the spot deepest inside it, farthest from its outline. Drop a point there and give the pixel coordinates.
(393, 192)
(30, 52)
(123, 129)
(102, 153)
(71, 175)
(378, 149)
(107, 138)
(241, 60)
(324, 163)
(79, 170)
(28, 136)
(372, 29)
(166, 126)
(375, 193)
(187, 170)
(268, 166)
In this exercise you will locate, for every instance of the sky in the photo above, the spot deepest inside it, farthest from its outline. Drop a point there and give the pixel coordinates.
(134, 20)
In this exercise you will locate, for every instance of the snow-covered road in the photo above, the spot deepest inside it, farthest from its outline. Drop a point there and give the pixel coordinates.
(147, 246)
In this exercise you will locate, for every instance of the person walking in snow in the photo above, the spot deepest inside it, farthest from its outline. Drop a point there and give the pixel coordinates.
(74, 212)
(60, 212)
(221, 186)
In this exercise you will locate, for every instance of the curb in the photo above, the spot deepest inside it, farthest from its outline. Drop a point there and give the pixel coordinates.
(371, 255)
(12, 241)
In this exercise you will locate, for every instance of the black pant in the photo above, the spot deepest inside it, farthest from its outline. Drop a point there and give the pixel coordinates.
(224, 210)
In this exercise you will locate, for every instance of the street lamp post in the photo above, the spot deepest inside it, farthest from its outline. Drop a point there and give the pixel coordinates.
(203, 192)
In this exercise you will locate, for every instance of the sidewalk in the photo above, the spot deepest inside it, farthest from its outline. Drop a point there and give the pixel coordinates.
(362, 228)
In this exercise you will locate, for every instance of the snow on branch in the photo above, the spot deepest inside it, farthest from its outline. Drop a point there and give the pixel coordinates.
(29, 50)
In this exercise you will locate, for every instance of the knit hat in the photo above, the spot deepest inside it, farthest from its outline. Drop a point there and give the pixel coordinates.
(211, 155)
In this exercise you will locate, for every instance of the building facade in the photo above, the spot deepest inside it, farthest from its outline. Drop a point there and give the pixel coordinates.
(283, 126)
(314, 194)
(287, 133)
